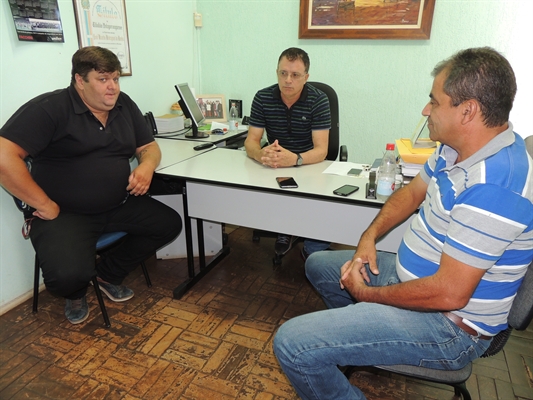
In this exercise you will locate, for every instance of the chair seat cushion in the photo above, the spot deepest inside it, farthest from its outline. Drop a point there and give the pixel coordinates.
(435, 375)
(109, 238)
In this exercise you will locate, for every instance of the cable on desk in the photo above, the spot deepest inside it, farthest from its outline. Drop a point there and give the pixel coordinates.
(173, 133)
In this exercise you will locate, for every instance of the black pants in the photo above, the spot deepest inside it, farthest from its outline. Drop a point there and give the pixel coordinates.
(66, 246)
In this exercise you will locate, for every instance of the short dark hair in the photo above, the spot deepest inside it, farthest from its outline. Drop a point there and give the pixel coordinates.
(293, 54)
(484, 75)
(95, 58)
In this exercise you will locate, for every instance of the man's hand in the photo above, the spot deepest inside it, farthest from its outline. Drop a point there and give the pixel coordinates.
(48, 212)
(353, 277)
(140, 179)
(149, 157)
(276, 156)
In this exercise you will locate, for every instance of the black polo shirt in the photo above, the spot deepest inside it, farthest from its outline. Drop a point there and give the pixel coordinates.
(80, 164)
(292, 127)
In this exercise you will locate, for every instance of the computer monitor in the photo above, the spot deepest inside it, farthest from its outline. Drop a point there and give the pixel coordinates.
(190, 108)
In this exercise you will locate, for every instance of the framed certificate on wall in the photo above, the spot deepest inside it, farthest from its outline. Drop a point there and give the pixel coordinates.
(103, 23)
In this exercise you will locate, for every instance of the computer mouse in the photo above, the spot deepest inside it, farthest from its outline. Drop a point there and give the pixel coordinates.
(217, 131)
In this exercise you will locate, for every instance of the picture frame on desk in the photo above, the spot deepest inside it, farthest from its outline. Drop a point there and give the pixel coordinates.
(377, 19)
(213, 106)
(94, 28)
(238, 105)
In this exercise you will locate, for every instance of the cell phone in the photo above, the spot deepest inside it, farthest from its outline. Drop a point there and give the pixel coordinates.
(355, 171)
(286, 182)
(346, 190)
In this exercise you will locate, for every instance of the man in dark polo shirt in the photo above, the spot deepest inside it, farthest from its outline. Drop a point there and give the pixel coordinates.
(296, 117)
(81, 185)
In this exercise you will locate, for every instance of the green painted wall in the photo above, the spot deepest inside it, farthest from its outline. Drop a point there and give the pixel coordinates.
(382, 84)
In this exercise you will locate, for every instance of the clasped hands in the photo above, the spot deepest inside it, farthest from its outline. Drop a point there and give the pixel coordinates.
(354, 274)
(276, 156)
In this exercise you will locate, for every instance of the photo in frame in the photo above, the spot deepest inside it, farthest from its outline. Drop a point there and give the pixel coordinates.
(103, 23)
(366, 19)
(238, 106)
(213, 106)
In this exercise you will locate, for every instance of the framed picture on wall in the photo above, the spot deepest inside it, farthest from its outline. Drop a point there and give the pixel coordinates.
(369, 19)
(213, 106)
(103, 23)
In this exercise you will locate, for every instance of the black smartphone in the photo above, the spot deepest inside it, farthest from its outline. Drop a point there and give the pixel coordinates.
(286, 182)
(355, 171)
(346, 190)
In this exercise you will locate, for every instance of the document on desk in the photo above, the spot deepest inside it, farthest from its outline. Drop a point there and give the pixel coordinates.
(342, 168)
(219, 125)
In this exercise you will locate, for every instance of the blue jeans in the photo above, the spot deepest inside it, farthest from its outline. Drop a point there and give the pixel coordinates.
(312, 245)
(310, 347)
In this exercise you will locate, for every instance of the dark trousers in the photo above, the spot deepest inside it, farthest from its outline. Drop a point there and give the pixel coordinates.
(66, 246)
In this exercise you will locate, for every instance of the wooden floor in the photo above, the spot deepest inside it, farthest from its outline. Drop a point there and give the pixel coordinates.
(214, 343)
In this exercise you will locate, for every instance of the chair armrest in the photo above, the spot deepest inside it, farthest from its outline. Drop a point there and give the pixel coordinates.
(343, 153)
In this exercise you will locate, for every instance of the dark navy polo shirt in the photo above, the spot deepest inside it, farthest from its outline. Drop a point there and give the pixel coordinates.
(292, 127)
(80, 164)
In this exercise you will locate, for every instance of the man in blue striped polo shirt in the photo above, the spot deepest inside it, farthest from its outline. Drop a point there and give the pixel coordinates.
(439, 302)
(296, 117)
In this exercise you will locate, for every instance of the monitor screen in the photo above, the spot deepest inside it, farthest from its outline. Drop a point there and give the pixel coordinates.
(190, 108)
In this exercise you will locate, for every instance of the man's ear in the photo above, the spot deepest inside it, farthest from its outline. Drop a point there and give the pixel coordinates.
(469, 110)
(79, 81)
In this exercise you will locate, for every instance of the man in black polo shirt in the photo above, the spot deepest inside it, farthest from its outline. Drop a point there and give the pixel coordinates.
(81, 185)
(297, 120)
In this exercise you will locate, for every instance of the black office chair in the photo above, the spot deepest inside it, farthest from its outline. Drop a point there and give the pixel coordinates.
(104, 243)
(333, 151)
(520, 317)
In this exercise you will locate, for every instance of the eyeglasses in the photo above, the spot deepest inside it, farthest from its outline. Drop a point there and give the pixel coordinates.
(296, 76)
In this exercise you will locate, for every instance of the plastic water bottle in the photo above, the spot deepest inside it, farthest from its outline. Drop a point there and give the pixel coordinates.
(386, 174)
(233, 118)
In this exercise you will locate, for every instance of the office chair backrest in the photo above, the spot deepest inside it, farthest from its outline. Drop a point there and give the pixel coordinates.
(521, 312)
(333, 145)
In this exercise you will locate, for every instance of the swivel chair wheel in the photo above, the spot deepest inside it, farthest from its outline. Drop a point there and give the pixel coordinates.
(276, 260)
(256, 238)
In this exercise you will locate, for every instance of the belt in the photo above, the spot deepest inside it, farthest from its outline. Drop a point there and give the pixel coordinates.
(459, 322)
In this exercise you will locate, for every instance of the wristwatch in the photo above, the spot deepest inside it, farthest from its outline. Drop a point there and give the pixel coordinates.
(299, 160)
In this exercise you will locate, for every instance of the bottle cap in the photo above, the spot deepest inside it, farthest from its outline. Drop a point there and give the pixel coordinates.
(390, 146)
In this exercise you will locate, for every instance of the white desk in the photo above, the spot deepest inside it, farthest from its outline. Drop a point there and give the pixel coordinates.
(226, 186)
(175, 151)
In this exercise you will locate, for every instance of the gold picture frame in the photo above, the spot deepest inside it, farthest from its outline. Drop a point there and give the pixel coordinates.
(368, 19)
(213, 106)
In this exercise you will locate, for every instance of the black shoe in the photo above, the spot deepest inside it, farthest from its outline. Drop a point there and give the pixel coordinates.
(283, 244)
(76, 310)
(117, 293)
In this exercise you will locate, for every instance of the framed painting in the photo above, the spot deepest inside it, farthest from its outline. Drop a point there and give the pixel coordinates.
(213, 106)
(366, 19)
(103, 23)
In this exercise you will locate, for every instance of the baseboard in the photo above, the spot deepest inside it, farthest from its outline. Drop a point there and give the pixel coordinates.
(18, 300)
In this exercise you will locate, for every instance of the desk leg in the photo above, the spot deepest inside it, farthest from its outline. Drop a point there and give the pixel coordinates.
(204, 268)
(188, 234)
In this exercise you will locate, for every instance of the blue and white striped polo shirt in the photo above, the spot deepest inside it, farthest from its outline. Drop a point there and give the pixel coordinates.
(292, 127)
(478, 211)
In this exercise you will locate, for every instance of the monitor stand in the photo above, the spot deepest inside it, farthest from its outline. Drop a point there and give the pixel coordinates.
(195, 134)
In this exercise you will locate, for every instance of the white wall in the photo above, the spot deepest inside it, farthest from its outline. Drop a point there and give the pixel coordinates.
(382, 84)
(162, 54)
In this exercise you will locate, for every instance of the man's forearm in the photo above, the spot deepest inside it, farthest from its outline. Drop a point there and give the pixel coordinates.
(150, 155)
(313, 156)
